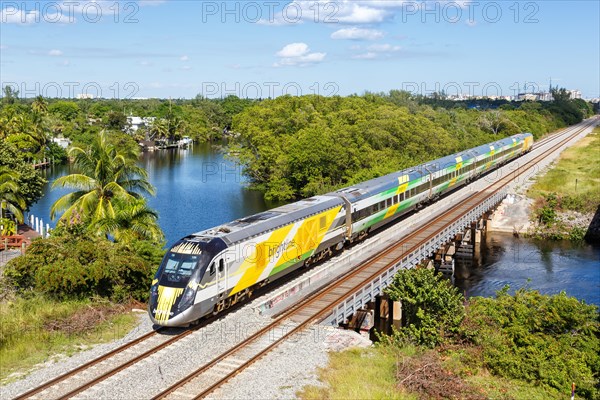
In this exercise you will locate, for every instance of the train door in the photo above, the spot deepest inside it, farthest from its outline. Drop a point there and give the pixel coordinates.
(221, 277)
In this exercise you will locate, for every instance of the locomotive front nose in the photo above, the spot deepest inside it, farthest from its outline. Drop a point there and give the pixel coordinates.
(174, 288)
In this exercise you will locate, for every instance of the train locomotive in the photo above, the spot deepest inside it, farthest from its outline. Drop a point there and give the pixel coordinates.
(209, 271)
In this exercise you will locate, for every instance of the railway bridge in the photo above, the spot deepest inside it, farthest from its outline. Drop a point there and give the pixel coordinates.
(333, 293)
(409, 242)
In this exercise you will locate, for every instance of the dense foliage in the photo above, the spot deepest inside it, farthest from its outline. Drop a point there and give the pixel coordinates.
(30, 123)
(28, 182)
(548, 340)
(431, 307)
(76, 266)
(293, 147)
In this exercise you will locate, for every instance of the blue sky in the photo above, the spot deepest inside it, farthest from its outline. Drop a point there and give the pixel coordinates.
(176, 48)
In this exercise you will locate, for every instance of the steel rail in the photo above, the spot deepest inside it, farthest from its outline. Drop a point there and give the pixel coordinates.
(459, 210)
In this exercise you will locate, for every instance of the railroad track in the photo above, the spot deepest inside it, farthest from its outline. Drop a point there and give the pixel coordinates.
(70, 383)
(214, 374)
(221, 369)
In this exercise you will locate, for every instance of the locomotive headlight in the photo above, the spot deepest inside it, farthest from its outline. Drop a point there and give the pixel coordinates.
(188, 296)
(153, 292)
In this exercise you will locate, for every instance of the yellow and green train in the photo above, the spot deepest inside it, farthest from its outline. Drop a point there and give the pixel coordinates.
(207, 272)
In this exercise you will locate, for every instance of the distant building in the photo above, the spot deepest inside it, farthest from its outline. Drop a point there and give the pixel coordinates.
(528, 96)
(83, 96)
(136, 123)
(62, 142)
(575, 94)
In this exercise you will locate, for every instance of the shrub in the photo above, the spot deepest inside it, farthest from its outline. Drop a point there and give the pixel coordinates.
(431, 306)
(548, 340)
(72, 266)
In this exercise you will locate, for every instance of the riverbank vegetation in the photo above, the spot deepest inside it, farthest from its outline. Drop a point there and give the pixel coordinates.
(568, 195)
(516, 346)
(38, 328)
(294, 147)
(77, 287)
(107, 243)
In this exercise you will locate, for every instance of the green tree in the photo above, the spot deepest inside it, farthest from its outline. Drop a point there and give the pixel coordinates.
(10, 197)
(159, 129)
(116, 120)
(133, 221)
(549, 340)
(39, 105)
(67, 110)
(431, 306)
(108, 177)
(29, 182)
(76, 265)
(10, 95)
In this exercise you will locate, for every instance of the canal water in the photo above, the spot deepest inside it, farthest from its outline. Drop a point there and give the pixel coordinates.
(547, 266)
(198, 189)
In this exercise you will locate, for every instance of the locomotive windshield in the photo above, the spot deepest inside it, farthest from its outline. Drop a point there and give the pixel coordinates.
(177, 268)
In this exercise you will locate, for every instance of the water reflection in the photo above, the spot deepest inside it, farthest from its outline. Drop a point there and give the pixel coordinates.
(549, 267)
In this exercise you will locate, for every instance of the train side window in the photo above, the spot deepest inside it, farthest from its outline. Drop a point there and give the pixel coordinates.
(389, 202)
(381, 205)
(221, 265)
(401, 196)
(395, 199)
(323, 222)
(212, 269)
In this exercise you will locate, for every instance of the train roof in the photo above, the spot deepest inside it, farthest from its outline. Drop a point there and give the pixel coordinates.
(253, 225)
(390, 181)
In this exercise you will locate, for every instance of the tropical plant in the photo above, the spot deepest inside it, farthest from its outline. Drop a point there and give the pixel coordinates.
(7, 227)
(29, 183)
(79, 266)
(431, 306)
(39, 105)
(133, 220)
(10, 197)
(107, 178)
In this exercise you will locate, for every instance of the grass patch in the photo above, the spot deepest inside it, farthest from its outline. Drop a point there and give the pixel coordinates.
(576, 176)
(360, 374)
(36, 329)
(377, 373)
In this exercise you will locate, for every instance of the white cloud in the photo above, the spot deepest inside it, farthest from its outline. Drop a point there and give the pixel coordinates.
(365, 56)
(376, 51)
(357, 14)
(186, 68)
(383, 48)
(293, 50)
(13, 15)
(333, 11)
(65, 11)
(146, 63)
(298, 54)
(357, 34)
(55, 53)
(64, 63)
(184, 58)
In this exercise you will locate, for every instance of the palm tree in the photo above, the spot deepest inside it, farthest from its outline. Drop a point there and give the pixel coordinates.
(10, 197)
(40, 105)
(133, 220)
(107, 177)
(159, 129)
